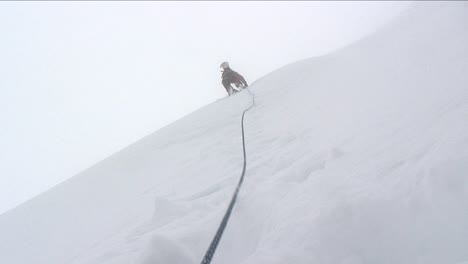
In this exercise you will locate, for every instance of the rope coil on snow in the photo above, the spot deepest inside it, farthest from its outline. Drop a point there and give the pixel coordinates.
(214, 243)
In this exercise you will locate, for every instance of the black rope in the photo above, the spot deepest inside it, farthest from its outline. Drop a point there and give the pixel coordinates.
(214, 243)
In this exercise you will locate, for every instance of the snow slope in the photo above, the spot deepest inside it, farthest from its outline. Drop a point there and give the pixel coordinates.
(359, 156)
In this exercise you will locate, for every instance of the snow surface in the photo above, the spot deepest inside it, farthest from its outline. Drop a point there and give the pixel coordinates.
(359, 156)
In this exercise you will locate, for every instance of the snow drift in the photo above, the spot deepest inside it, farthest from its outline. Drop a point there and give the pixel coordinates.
(359, 156)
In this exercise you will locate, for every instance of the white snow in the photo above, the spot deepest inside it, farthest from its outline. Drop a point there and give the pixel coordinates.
(359, 156)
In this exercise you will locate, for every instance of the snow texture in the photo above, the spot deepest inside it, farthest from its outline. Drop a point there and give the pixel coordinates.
(359, 156)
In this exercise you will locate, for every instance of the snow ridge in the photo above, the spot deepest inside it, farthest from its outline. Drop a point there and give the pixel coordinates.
(356, 157)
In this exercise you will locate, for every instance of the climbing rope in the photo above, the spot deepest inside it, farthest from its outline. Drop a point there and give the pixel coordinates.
(214, 243)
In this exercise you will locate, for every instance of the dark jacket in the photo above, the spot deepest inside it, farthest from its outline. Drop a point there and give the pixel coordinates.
(232, 77)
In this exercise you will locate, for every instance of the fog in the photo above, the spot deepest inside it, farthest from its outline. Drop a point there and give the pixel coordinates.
(81, 80)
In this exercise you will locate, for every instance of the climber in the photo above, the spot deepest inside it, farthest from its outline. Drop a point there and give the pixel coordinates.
(229, 77)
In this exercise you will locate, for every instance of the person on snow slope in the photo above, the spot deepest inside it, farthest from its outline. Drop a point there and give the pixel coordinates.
(230, 77)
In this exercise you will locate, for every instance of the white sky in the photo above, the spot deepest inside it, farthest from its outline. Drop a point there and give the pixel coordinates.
(81, 80)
